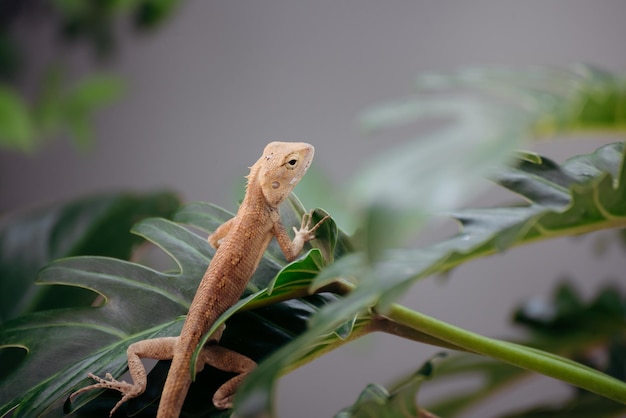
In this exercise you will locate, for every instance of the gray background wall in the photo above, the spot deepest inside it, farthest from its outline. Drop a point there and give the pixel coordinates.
(221, 79)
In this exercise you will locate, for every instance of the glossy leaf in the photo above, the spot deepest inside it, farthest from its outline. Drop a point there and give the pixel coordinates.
(139, 303)
(584, 194)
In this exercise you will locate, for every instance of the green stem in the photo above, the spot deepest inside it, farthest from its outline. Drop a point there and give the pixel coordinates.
(517, 355)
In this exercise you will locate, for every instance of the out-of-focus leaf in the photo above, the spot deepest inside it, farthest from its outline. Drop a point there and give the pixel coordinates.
(399, 401)
(151, 13)
(404, 187)
(490, 113)
(584, 331)
(494, 376)
(16, 127)
(94, 91)
(48, 112)
(87, 96)
(567, 314)
(71, 7)
(96, 22)
(585, 194)
(97, 225)
(562, 100)
(10, 58)
(584, 406)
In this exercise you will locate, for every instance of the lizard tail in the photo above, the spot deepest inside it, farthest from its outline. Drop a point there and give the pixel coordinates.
(176, 387)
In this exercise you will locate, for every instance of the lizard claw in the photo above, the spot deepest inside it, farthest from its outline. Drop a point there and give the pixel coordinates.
(109, 382)
(306, 231)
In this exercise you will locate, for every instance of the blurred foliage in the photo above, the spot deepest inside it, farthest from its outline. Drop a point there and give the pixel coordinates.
(60, 106)
(488, 114)
(29, 240)
(346, 286)
(97, 225)
(399, 401)
(145, 303)
(590, 332)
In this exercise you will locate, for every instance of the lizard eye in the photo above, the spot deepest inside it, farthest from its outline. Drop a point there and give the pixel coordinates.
(292, 162)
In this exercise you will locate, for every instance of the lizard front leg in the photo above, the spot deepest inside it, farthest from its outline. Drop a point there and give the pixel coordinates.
(290, 248)
(220, 233)
(157, 348)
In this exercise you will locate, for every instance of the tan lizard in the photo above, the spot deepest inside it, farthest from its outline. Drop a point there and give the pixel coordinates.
(240, 244)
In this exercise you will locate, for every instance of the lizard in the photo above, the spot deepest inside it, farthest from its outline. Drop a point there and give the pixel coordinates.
(240, 244)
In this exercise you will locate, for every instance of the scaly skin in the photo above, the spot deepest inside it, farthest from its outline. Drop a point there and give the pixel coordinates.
(240, 244)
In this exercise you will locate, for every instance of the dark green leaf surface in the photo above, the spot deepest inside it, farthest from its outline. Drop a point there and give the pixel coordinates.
(400, 401)
(17, 131)
(97, 225)
(567, 325)
(139, 303)
(494, 377)
(584, 194)
(584, 406)
(490, 113)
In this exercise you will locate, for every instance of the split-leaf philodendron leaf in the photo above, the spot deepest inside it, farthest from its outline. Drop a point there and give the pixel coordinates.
(139, 303)
(585, 194)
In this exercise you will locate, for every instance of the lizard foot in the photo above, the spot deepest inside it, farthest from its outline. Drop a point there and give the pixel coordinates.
(224, 396)
(306, 231)
(128, 390)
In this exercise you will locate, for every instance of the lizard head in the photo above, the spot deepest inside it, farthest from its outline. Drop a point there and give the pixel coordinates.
(280, 168)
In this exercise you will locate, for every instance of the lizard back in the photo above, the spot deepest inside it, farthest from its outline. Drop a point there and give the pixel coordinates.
(271, 180)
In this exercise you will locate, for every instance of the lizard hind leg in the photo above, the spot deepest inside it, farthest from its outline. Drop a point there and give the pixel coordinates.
(230, 361)
(128, 390)
(158, 348)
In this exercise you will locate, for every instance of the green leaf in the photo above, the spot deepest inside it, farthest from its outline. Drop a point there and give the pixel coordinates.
(151, 13)
(488, 113)
(84, 99)
(71, 7)
(17, 131)
(583, 195)
(140, 303)
(567, 325)
(97, 225)
(560, 100)
(582, 406)
(405, 186)
(291, 281)
(399, 401)
(494, 377)
(564, 200)
(94, 91)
